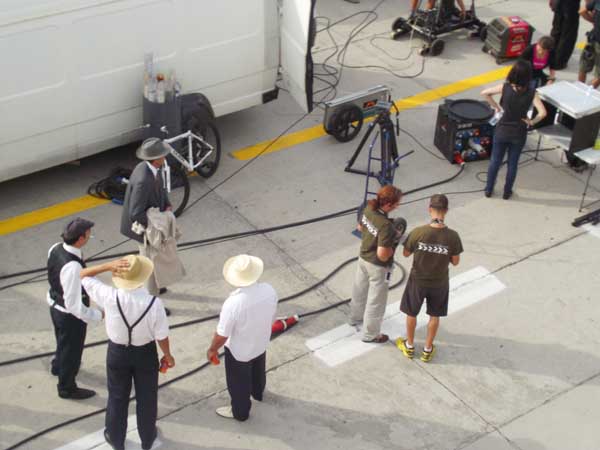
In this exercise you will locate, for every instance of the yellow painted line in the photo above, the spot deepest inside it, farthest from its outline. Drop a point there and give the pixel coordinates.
(580, 45)
(317, 131)
(53, 212)
(77, 205)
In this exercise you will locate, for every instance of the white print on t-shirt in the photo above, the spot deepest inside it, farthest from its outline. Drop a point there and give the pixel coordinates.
(433, 248)
(370, 227)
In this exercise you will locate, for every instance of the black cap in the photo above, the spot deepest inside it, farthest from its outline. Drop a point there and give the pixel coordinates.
(438, 201)
(153, 148)
(76, 228)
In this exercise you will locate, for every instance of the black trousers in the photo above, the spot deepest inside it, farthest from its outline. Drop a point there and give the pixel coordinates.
(244, 379)
(125, 364)
(70, 338)
(565, 26)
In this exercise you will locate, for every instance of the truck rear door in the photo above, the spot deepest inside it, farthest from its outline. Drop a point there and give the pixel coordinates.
(297, 38)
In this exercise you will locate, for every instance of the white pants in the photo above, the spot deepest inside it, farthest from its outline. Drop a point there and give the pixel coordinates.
(369, 297)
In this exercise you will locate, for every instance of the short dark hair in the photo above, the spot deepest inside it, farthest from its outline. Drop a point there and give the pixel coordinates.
(75, 229)
(520, 74)
(439, 202)
(546, 42)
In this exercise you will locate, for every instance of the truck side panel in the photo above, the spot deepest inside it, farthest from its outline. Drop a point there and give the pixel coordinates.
(75, 85)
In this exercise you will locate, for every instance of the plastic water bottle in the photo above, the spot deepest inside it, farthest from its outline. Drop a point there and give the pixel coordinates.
(148, 72)
(160, 88)
(496, 118)
(152, 90)
(171, 84)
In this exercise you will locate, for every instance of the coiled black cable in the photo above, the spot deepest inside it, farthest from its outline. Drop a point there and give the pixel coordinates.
(112, 187)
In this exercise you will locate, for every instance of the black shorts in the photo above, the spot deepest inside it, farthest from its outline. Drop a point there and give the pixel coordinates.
(414, 295)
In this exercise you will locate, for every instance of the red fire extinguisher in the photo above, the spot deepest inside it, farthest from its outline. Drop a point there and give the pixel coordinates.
(283, 323)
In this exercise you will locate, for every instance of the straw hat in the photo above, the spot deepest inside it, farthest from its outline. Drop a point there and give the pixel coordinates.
(140, 269)
(242, 270)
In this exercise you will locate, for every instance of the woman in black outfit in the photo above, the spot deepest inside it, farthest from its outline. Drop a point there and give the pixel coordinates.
(511, 130)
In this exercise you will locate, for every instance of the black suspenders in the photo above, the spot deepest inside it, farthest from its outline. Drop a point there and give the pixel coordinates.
(131, 327)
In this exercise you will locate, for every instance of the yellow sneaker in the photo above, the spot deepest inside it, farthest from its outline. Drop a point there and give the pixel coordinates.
(426, 356)
(408, 352)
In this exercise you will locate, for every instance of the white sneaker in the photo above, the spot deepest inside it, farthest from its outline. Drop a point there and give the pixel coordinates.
(225, 411)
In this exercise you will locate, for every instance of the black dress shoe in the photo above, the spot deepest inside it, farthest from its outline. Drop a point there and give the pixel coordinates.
(488, 194)
(111, 443)
(167, 312)
(506, 195)
(162, 291)
(77, 394)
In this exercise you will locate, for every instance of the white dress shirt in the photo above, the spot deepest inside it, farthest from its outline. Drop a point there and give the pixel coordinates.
(71, 284)
(246, 319)
(154, 325)
(152, 168)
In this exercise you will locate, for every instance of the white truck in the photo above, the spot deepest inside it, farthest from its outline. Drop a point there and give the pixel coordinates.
(72, 70)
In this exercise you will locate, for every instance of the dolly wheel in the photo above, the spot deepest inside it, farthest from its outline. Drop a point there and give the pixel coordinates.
(437, 47)
(424, 51)
(346, 123)
(400, 27)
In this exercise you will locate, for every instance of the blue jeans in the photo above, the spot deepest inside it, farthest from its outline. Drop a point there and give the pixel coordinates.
(499, 148)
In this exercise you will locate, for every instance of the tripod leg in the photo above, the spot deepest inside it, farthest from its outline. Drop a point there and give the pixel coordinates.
(360, 146)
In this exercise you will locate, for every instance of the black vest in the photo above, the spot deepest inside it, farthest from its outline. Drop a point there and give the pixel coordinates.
(56, 261)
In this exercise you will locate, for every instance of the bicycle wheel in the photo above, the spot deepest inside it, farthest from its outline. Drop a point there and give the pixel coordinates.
(208, 131)
(180, 188)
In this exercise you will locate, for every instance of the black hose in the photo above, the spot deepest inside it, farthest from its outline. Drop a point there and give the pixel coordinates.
(206, 364)
(189, 322)
(238, 235)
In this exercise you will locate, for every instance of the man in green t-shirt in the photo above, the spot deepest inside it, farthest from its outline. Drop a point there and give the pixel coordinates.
(434, 247)
(379, 240)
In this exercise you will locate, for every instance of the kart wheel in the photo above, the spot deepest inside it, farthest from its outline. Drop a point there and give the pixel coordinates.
(483, 33)
(346, 123)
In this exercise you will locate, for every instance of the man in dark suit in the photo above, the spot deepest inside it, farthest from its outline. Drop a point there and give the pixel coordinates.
(146, 189)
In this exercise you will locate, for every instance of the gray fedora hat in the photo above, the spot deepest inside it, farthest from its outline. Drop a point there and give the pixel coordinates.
(153, 148)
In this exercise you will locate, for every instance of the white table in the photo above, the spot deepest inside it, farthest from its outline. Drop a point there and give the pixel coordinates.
(592, 158)
(575, 98)
(581, 103)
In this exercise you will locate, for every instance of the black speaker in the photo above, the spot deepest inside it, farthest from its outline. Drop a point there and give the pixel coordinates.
(463, 131)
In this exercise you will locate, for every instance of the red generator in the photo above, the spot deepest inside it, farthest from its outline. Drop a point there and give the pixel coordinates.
(506, 37)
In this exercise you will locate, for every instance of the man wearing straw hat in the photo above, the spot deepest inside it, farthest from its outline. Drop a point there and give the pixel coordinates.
(135, 320)
(245, 330)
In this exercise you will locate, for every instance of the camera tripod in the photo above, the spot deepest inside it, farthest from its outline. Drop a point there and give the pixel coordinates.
(388, 158)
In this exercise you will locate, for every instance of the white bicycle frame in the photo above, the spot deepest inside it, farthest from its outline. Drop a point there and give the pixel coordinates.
(189, 162)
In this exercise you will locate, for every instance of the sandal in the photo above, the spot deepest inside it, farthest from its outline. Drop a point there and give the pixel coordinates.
(378, 339)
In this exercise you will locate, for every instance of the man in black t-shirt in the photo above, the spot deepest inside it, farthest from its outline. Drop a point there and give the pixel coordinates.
(434, 247)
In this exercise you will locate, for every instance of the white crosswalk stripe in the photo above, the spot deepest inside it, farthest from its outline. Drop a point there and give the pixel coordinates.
(343, 343)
